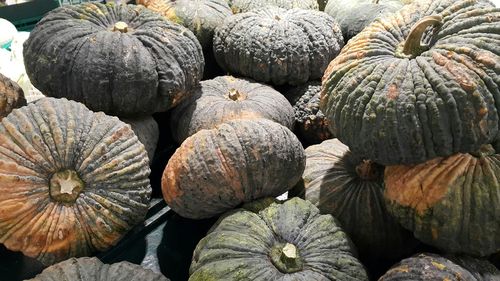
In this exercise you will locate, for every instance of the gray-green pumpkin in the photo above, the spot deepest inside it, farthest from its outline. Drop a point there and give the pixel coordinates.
(242, 6)
(147, 131)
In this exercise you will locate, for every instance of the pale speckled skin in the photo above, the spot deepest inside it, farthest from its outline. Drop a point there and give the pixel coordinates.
(92, 269)
(278, 46)
(52, 135)
(73, 53)
(210, 105)
(396, 110)
(238, 247)
(239, 161)
(242, 6)
(11, 96)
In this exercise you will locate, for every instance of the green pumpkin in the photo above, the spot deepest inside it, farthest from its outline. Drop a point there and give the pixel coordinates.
(124, 60)
(289, 241)
(11, 96)
(242, 6)
(278, 46)
(396, 100)
(147, 131)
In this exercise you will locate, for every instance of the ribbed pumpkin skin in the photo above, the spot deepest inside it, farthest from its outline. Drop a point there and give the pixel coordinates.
(333, 183)
(92, 269)
(215, 170)
(53, 135)
(73, 52)
(481, 269)
(451, 203)
(239, 246)
(11, 96)
(199, 16)
(213, 104)
(242, 6)
(277, 45)
(399, 111)
(147, 131)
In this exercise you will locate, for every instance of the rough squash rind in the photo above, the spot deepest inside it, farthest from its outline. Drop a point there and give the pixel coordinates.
(11, 96)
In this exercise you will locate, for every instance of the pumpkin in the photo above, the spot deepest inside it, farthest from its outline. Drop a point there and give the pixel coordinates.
(199, 16)
(147, 131)
(394, 100)
(92, 269)
(311, 124)
(124, 60)
(451, 203)
(277, 46)
(239, 161)
(242, 6)
(322, 4)
(427, 266)
(72, 181)
(289, 241)
(354, 16)
(225, 98)
(11, 96)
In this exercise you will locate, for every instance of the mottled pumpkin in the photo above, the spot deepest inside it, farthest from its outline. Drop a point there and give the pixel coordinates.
(92, 269)
(239, 161)
(242, 6)
(11, 96)
(147, 131)
(289, 241)
(278, 46)
(199, 16)
(396, 101)
(352, 190)
(72, 181)
(451, 203)
(225, 98)
(433, 267)
(354, 15)
(124, 60)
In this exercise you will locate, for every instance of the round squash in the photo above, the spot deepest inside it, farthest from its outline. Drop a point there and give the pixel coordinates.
(396, 101)
(225, 98)
(277, 45)
(72, 181)
(199, 16)
(451, 203)
(433, 267)
(124, 60)
(289, 241)
(239, 161)
(147, 131)
(11, 96)
(92, 269)
(354, 15)
(242, 6)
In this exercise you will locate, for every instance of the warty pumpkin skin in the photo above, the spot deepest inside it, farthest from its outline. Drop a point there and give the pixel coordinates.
(11, 96)
(92, 269)
(451, 203)
(72, 182)
(289, 241)
(277, 46)
(124, 60)
(242, 6)
(225, 98)
(147, 131)
(239, 161)
(402, 105)
(352, 190)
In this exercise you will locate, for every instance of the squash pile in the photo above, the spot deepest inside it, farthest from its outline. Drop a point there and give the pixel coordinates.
(380, 119)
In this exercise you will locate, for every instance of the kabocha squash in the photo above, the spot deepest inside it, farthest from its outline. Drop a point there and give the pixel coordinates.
(451, 203)
(289, 241)
(242, 6)
(352, 190)
(433, 267)
(124, 60)
(199, 16)
(72, 181)
(396, 101)
(147, 131)
(11, 96)
(311, 124)
(225, 98)
(277, 45)
(239, 161)
(92, 269)
(354, 15)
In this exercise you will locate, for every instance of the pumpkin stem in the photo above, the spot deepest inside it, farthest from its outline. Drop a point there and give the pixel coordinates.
(235, 94)
(65, 186)
(120, 26)
(413, 44)
(286, 258)
(368, 170)
(484, 150)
